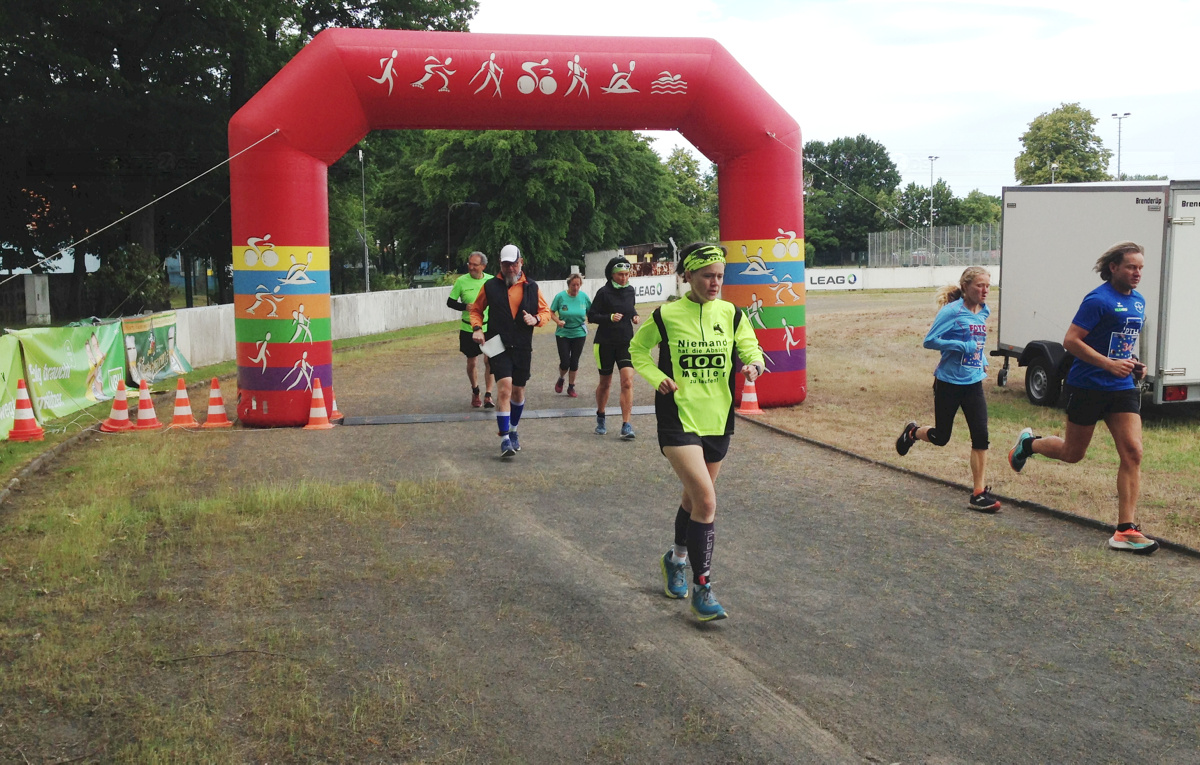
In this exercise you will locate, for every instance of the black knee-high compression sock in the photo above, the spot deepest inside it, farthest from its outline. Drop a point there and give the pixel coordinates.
(700, 549)
(681, 523)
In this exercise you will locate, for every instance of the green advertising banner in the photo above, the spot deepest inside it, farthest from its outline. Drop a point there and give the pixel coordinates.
(69, 368)
(10, 372)
(150, 351)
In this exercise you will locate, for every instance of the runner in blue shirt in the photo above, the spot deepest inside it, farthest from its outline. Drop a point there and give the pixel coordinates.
(1103, 385)
(960, 332)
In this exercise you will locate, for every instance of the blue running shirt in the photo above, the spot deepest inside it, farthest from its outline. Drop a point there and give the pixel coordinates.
(961, 336)
(1114, 323)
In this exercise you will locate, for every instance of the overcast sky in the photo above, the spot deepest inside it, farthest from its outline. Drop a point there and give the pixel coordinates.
(959, 79)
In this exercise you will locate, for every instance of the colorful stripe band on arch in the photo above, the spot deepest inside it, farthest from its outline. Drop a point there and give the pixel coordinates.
(347, 82)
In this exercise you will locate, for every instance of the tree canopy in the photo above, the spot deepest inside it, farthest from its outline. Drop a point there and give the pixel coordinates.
(105, 107)
(558, 194)
(848, 185)
(1065, 136)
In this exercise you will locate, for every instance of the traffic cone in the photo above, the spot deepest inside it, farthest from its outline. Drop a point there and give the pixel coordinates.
(118, 418)
(318, 418)
(147, 417)
(749, 400)
(334, 414)
(183, 409)
(25, 426)
(216, 409)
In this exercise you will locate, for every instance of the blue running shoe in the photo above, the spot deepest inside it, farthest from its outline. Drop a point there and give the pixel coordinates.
(512, 436)
(626, 431)
(1020, 451)
(705, 604)
(506, 447)
(674, 578)
(600, 429)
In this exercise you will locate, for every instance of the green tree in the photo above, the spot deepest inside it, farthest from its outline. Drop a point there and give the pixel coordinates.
(1065, 136)
(692, 208)
(105, 107)
(849, 184)
(556, 194)
(978, 207)
(911, 207)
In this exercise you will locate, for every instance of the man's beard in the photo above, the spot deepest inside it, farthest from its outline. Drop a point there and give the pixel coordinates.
(511, 279)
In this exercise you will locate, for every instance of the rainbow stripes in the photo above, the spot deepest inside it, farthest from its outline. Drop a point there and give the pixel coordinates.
(765, 277)
(283, 331)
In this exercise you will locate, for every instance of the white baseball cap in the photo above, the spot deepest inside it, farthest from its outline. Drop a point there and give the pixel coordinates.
(509, 254)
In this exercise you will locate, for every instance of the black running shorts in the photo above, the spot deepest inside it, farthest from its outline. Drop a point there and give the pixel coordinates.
(513, 363)
(609, 355)
(1087, 407)
(467, 346)
(715, 447)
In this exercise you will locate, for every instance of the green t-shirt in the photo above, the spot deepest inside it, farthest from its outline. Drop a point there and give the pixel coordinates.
(467, 289)
(572, 310)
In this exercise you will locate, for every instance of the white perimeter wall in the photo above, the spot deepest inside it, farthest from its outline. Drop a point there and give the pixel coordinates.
(206, 335)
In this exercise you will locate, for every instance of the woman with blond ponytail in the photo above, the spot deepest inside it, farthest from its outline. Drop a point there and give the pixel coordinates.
(960, 333)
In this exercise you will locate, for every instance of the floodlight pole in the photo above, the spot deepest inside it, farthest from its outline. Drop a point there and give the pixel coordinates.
(1119, 118)
(932, 159)
(366, 258)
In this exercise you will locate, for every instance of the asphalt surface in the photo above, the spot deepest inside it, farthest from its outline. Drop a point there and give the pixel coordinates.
(873, 618)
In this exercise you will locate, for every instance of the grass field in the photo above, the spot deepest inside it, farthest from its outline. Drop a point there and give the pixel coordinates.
(116, 608)
(868, 375)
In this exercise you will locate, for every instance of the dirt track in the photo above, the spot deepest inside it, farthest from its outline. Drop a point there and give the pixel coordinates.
(873, 617)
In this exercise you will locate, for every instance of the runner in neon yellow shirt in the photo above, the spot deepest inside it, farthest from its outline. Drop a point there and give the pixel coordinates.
(462, 294)
(697, 338)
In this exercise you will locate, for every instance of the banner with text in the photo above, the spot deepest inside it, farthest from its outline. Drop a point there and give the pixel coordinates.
(150, 350)
(70, 368)
(834, 279)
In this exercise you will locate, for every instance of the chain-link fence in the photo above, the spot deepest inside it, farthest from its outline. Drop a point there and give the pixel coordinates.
(974, 245)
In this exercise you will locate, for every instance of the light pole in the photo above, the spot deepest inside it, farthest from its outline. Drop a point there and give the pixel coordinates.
(1119, 118)
(1053, 167)
(932, 159)
(366, 260)
(448, 211)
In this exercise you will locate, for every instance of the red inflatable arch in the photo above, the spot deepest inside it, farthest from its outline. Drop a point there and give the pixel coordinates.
(347, 82)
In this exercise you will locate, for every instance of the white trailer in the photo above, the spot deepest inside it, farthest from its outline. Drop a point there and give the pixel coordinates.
(1051, 238)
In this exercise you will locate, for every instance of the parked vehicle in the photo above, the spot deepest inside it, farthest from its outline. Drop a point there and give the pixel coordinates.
(1051, 237)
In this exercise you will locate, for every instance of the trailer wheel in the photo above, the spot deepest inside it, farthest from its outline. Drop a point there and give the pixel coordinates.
(1042, 386)
(1002, 378)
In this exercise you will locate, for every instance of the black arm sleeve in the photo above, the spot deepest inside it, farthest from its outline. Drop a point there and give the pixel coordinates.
(457, 305)
(600, 312)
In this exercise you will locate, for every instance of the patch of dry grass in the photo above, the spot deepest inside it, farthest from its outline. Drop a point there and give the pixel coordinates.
(156, 620)
(868, 375)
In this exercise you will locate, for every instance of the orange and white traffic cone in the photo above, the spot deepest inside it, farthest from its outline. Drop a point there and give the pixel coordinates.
(318, 418)
(25, 426)
(118, 418)
(334, 414)
(183, 409)
(749, 400)
(147, 418)
(216, 408)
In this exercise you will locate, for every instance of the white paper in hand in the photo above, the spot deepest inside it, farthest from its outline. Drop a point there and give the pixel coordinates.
(493, 346)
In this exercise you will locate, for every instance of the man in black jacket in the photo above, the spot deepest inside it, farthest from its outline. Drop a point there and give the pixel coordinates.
(517, 307)
(614, 309)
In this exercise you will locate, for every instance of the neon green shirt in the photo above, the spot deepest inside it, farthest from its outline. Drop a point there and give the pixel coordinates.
(701, 340)
(467, 289)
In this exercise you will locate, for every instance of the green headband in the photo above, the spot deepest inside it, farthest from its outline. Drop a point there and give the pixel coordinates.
(705, 256)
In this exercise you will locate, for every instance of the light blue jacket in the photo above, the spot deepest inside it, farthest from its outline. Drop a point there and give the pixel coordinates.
(961, 336)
